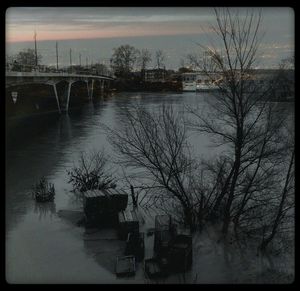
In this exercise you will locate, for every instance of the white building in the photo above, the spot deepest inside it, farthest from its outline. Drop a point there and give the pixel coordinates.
(200, 81)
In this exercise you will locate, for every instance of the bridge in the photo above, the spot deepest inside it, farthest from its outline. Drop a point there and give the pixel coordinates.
(61, 82)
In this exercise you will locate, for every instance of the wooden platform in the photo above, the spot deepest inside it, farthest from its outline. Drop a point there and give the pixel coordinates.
(101, 207)
(128, 222)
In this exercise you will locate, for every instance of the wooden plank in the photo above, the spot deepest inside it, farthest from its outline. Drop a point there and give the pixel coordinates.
(127, 215)
(121, 216)
(93, 194)
(106, 192)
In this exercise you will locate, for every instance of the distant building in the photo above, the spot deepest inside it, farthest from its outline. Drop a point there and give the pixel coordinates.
(194, 81)
(278, 83)
(155, 75)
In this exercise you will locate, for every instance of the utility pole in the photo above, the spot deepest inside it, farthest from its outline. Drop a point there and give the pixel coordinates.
(71, 59)
(86, 62)
(80, 59)
(56, 56)
(35, 48)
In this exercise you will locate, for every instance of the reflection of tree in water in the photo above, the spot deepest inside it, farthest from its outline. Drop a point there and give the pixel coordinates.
(75, 198)
(45, 210)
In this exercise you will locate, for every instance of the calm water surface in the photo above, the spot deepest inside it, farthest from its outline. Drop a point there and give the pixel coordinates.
(41, 247)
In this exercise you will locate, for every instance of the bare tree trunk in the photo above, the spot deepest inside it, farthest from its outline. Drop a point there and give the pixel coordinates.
(223, 192)
(236, 167)
(227, 210)
(244, 200)
(189, 219)
(278, 217)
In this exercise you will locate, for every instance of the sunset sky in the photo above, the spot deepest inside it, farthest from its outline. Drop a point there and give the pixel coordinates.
(117, 24)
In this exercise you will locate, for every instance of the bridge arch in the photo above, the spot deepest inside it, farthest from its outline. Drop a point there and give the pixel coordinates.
(79, 93)
(30, 98)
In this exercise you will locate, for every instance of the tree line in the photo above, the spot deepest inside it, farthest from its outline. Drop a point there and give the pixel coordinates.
(126, 57)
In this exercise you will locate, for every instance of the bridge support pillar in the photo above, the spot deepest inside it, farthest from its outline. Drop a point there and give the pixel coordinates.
(102, 87)
(90, 89)
(68, 95)
(62, 92)
(56, 96)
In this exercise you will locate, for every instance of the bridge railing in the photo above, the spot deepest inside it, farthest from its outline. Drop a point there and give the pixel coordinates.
(51, 75)
(16, 67)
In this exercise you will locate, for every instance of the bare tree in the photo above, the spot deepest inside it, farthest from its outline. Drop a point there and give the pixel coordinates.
(27, 59)
(240, 117)
(144, 59)
(282, 218)
(101, 69)
(160, 58)
(194, 61)
(285, 80)
(123, 60)
(91, 172)
(155, 144)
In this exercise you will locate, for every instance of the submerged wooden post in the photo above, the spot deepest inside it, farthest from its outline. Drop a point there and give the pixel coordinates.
(133, 197)
(92, 89)
(88, 88)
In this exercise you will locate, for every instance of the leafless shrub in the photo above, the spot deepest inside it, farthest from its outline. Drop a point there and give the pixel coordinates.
(91, 172)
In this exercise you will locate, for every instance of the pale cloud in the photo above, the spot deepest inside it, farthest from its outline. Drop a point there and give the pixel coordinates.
(117, 23)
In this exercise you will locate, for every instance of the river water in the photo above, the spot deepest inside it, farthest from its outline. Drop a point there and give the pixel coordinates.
(41, 247)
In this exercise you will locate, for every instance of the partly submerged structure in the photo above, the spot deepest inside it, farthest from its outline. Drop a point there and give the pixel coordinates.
(101, 207)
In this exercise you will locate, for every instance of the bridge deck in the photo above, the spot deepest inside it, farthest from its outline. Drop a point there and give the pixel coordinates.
(55, 75)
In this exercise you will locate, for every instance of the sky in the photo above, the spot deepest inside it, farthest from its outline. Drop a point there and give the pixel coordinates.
(93, 32)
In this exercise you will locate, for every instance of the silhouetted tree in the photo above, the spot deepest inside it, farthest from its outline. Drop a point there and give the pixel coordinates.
(241, 118)
(27, 57)
(123, 60)
(101, 69)
(144, 58)
(91, 172)
(160, 58)
(156, 144)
